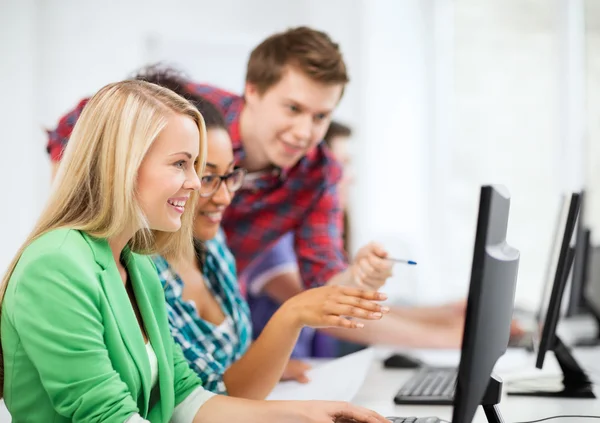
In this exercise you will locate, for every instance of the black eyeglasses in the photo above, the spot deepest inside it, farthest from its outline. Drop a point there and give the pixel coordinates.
(209, 184)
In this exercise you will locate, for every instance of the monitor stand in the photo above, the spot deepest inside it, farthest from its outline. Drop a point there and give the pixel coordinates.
(491, 399)
(576, 383)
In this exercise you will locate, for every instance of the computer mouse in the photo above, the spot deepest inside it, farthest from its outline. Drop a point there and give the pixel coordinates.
(401, 361)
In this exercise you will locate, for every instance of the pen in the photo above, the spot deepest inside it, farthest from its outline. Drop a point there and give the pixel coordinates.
(396, 260)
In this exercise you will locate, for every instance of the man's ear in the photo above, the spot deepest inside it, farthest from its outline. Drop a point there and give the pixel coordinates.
(250, 92)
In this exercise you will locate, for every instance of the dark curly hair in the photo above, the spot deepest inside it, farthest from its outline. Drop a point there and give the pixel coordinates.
(177, 81)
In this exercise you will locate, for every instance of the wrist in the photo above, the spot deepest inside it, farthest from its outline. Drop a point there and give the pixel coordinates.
(343, 278)
(284, 412)
(289, 316)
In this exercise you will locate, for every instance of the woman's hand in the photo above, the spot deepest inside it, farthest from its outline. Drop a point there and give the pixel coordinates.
(331, 411)
(296, 370)
(333, 306)
(221, 409)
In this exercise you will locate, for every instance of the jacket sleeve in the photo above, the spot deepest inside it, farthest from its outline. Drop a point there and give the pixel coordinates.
(58, 319)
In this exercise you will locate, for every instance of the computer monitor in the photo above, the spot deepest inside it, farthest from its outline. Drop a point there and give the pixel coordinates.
(592, 286)
(489, 311)
(552, 263)
(576, 384)
(576, 304)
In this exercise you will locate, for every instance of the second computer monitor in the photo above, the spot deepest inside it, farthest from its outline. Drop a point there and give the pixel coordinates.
(576, 383)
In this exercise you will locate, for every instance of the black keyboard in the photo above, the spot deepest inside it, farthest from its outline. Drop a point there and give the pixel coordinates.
(414, 419)
(429, 386)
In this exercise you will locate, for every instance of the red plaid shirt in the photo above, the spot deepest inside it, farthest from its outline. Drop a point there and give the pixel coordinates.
(302, 199)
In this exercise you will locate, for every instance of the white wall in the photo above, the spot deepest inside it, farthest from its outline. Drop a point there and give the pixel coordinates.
(507, 129)
(445, 95)
(592, 18)
(22, 165)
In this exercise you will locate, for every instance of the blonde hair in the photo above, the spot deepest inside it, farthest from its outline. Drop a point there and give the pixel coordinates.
(95, 188)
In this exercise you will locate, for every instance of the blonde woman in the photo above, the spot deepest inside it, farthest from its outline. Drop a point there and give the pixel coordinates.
(85, 336)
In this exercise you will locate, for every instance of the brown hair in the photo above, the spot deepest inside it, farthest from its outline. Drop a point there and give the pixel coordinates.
(303, 48)
(336, 129)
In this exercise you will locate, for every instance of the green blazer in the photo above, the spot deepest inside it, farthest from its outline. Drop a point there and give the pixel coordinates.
(73, 349)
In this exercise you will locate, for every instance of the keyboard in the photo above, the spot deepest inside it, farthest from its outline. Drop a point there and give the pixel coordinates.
(414, 419)
(429, 386)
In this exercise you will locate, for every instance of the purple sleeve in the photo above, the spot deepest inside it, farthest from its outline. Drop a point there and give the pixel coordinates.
(279, 258)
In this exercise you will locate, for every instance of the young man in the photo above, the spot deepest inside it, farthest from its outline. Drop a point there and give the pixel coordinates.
(294, 81)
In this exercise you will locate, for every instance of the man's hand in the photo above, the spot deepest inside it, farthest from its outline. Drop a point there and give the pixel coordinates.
(370, 268)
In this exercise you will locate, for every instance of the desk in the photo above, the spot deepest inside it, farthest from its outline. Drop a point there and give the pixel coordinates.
(381, 385)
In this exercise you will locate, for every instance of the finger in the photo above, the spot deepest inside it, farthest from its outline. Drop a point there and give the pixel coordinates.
(375, 274)
(337, 309)
(359, 414)
(362, 293)
(302, 366)
(367, 270)
(367, 305)
(378, 249)
(302, 378)
(380, 264)
(342, 322)
(375, 282)
(371, 278)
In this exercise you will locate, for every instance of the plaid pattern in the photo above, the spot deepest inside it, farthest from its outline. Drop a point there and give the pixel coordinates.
(302, 200)
(209, 349)
(59, 137)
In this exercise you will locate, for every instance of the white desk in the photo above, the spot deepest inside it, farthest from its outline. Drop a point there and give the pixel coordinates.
(382, 384)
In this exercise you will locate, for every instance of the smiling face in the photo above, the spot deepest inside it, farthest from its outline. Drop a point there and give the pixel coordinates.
(288, 120)
(167, 175)
(209, 210)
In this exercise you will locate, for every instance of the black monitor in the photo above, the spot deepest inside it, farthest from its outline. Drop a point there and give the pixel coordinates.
(489, 311)
(576, 303)
(591, 292)
(576, 384)
(552, 263)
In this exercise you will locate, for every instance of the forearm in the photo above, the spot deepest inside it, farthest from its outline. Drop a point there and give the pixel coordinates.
(397, 331)
(424, 315)
(223, 409)
(255, 375)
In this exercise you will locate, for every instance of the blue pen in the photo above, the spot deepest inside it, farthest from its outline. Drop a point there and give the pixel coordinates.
(409, 262)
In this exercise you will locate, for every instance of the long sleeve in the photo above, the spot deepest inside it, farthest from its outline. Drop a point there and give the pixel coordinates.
(57, 316)
(185, 378)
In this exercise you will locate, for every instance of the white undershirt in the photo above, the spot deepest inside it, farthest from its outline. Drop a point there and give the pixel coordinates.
(153, 365)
